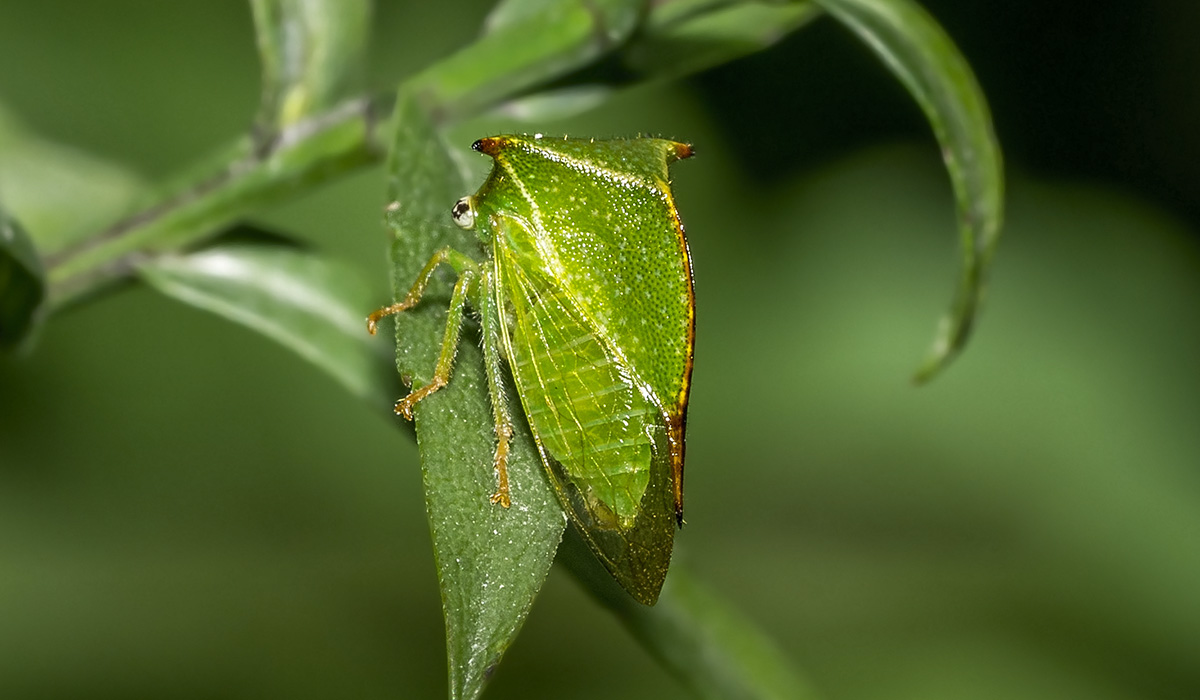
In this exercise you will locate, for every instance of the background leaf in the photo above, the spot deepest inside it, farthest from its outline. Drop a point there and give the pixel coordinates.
(924, 58)
(22, 282)
(527, 43)
(684, 36)
(313, 306)
(312, 55)
(491, 561)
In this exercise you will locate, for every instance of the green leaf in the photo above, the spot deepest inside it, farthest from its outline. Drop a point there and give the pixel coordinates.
(22, 282)
(677, 38)
(312, 55)
(702, 640)
(552, 105)
(526, 43)
(924, 58)
(684, 37)
(614, 18)
(491, 561)
(311, 305)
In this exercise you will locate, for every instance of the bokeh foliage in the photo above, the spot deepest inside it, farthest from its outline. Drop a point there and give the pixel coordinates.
(221, 518)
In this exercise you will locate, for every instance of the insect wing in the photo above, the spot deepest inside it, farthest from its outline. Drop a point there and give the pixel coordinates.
(602, 434)
(607, 231)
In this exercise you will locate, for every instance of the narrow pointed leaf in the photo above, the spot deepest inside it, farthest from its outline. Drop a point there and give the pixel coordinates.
(681, 38)
(677, 38)
(309, 304)
(924, 58)
(510, 13)
(613, 18)
(526, 43)
(698, 637)
(312, 55)
(491, 561)
(22, 282)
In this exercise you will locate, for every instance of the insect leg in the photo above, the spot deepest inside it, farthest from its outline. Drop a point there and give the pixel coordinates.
(441, 373)
(461, 263)
(485, 301)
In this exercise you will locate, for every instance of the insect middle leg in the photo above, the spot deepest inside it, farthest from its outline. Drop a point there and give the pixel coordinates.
(484, 300)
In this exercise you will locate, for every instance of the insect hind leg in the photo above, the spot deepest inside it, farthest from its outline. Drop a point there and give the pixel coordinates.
(485, 303)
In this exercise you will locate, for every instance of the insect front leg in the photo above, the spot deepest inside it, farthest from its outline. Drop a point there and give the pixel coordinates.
(484, 299)
(467, 274)
(445, 363)
(461, 263)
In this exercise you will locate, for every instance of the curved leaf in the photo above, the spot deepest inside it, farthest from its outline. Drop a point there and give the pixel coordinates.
(491, 561)
(684, 37)
(310, 305)
(22, 282)
(312, 55)
(924, 58)
(526, 43)
(678, 38)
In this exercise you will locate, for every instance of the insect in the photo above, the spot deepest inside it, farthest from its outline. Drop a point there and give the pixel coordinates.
(587, 296)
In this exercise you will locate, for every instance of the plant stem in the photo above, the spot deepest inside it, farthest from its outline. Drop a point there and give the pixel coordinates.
(243, 177)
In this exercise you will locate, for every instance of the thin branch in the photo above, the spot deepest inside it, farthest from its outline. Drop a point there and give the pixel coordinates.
(312, 151)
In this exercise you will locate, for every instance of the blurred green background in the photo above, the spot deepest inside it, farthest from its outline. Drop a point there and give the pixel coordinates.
(189, 511)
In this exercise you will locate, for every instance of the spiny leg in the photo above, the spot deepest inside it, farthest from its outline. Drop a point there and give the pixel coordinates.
(445, 363)
(466, 269)
(484, 300)
(481, 291)
(461, 263)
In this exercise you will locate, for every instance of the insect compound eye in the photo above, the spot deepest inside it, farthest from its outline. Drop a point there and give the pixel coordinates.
(464, 213)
